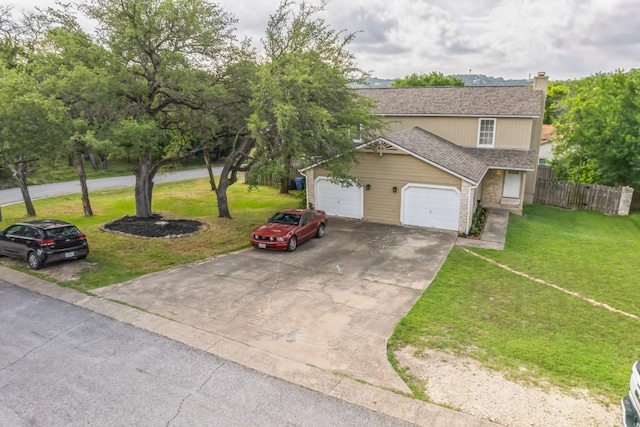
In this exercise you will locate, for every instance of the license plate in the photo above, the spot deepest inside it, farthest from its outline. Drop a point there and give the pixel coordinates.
(262, 246)
(69, 254)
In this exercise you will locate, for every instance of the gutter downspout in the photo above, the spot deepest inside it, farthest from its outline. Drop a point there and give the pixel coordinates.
(306, 183)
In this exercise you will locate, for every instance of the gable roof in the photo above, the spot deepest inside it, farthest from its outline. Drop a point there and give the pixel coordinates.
(478, 101)
(439, 152)
(471, 164)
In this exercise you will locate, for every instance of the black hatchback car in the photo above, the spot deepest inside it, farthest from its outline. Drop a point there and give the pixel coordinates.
(43, 241)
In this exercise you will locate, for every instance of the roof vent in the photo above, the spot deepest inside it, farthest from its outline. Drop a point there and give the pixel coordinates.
(541, 73)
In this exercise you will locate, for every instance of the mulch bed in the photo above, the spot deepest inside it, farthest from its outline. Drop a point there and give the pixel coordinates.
(154, 227)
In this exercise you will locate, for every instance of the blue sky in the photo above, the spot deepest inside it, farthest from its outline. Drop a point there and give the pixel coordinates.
(500, 38)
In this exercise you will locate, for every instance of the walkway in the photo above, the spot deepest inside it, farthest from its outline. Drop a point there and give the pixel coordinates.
(494, 234)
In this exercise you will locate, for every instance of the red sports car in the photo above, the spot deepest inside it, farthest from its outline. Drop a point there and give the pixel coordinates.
(286, 229)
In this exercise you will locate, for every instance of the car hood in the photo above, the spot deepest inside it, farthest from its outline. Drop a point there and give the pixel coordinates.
(272, 229)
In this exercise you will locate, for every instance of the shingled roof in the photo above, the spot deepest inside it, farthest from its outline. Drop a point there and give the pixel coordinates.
(480, 101)
(469, 163)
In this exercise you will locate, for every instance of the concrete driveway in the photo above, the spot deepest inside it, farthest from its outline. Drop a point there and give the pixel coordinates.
(331, 304)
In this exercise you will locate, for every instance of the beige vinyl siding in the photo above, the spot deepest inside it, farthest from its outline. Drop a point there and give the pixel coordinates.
(514, 133)
(382, 173)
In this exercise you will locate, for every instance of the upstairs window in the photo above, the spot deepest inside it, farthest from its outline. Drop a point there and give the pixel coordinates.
(486, 132)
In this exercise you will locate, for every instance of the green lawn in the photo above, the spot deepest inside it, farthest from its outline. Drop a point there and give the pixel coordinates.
(530, 331)
(122, 258)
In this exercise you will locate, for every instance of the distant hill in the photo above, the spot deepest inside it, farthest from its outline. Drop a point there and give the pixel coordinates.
(468, 79)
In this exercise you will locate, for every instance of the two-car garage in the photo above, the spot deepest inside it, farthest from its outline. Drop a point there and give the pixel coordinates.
(422, 205)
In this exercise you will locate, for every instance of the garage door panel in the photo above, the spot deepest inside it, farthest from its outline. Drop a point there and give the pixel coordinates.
(430, 206)
(336, 200)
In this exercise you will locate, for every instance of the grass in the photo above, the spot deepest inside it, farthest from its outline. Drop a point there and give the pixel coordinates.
(121, 258)
(532, 332)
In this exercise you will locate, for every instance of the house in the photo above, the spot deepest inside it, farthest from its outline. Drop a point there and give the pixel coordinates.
(445, 150)
(545, 154)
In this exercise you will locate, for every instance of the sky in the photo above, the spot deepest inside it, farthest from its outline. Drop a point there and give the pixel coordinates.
(513, 39)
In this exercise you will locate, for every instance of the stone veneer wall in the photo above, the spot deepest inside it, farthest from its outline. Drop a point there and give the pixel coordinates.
(464, 207)
(492, 186)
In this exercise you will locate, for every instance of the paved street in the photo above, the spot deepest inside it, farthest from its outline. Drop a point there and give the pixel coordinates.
(13, 195)
(62, 365)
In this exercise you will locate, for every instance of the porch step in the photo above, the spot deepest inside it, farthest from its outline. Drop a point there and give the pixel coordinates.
(509, 202)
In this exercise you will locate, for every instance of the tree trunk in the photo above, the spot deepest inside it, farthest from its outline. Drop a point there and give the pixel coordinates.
(207, 162)
(221, 195)
(70, 160)
(20, 176)
(0, 213)
(143, 187)
(229, 175)
(83, 184)
(92, 159)
(284, 185)
(104, 162)
(284, 181)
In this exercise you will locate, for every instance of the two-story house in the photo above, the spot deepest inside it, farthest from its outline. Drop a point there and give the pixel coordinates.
(446, 149)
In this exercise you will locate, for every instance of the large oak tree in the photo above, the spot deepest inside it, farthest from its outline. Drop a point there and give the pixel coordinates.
(304, 107)
(161, 47)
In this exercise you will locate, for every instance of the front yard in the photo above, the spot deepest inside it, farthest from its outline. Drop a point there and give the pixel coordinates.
(531, 331)
(120, 258)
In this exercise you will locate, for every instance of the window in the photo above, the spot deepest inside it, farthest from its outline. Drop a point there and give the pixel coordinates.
(486, 132)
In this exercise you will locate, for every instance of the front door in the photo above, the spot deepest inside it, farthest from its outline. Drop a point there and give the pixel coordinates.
(511, 189)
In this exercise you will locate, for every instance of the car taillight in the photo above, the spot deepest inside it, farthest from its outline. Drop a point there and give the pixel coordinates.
(82, 237)
(46, 242)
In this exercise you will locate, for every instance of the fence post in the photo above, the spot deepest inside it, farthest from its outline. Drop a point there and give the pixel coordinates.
(625, 201)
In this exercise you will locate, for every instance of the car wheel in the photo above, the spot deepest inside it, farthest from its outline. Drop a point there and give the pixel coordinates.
(320, 231)
(34, 261)
(293, 244)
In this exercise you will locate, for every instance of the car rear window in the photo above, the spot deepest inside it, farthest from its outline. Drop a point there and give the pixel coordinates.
(62, 232)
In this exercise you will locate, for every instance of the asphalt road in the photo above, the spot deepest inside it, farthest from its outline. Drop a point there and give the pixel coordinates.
(62, 365)
(13, 195)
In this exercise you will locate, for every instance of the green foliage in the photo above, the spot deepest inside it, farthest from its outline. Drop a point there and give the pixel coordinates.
(598, 136)
(553, 107)
(303, 106)
(478, 221)
(31, 124)
(434, 78)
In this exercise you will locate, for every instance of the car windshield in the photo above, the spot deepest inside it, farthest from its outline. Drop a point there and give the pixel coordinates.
(285, 218)
(62, 232)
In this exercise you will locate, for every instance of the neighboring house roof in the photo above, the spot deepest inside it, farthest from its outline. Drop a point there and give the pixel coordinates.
(545, 135)
(468, 163)
(478, 101)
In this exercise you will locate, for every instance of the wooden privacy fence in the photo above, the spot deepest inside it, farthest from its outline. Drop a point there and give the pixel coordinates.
(573, 195)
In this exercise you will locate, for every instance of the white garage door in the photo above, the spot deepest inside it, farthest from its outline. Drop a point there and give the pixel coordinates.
(430, 206)
(340, 201)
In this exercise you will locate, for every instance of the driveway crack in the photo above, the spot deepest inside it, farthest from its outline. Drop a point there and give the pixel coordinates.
(179, 409)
